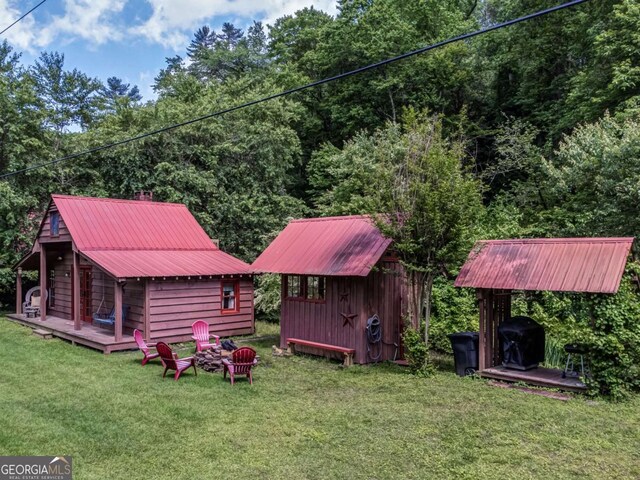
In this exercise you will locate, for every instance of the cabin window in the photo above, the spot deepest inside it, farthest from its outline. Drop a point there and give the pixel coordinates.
(294, 286)
(230, 296)
(315, 288)
(52, 288)
(55, 224)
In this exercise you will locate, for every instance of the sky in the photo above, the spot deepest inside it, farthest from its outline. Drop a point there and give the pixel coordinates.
(130, 39)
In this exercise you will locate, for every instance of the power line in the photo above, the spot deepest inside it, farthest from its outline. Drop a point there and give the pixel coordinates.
(300, 88)
(23, 15)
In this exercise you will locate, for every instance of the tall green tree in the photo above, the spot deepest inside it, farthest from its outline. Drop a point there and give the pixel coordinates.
(70, 97)
(431, 206)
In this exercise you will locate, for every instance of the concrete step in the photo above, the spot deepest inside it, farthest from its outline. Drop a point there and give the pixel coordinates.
(42, 333)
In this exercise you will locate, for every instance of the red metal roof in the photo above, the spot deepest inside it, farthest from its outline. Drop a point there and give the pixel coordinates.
(592, 265)
(110, 224)
(164, 263)
(332, 246)
(130, 238)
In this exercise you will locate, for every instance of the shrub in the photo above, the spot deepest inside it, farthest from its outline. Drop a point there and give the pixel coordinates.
(416, 352)
(608, 325)
(267, 299)
(453, 310)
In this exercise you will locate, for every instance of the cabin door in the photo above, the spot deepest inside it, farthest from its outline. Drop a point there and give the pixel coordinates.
(86, 305)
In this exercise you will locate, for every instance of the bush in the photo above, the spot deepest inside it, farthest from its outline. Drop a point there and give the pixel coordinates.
(267, 298)
(608, 325)
(416, 352)
(453, 310)
(614, 341)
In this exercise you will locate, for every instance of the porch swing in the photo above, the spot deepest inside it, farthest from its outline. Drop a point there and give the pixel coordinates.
(107, 319)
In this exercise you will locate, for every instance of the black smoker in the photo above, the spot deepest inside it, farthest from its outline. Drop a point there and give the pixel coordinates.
(521, 342)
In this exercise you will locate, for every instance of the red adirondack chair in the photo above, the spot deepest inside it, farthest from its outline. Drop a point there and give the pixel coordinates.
(241, 362)
(171, 361)
(144, 347)
(202, 336)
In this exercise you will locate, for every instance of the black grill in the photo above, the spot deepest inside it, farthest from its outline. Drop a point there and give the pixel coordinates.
(522, 343)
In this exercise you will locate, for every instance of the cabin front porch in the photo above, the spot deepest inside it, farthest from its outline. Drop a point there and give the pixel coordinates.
(78, 289)
(99, 338)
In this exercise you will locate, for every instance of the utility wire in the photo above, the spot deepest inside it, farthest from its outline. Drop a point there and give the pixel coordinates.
(300, 88)
(23, 15)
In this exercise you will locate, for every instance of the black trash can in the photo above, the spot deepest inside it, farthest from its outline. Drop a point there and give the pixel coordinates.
(465, 352)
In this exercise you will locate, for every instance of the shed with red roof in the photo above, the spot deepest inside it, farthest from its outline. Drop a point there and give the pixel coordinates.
(498, 268)
(338, 274)
(148, 263)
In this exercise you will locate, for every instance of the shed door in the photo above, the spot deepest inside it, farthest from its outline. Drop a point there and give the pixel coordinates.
(86, 307)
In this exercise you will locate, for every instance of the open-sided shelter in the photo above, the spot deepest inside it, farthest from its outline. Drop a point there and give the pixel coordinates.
(497, 268)
(150, 261)
(337, 274)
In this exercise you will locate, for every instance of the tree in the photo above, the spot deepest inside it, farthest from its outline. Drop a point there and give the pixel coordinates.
(116, 94)
(430, 207)
(70, 97)
(594, 179)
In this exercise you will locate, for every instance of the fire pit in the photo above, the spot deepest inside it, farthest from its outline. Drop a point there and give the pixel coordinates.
(211, 360)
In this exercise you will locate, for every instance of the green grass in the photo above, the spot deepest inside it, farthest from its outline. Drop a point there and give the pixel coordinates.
(303, 418)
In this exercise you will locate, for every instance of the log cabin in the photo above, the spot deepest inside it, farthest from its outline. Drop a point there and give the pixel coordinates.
(148, 264)
(339, 274)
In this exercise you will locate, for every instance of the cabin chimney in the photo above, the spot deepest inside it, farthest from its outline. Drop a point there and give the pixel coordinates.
(143, 196)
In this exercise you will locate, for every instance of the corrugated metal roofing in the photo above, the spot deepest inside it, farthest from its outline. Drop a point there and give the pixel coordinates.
(164, 263)
(111, 224)
(129, 238)
(593, 265)
(332, 246)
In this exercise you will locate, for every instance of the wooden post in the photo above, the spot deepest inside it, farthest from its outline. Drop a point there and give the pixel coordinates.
(75, 294)
(117, 291)
(43, 283)
(19, 291)
(147, 310)
(482, 330)
(489, 327)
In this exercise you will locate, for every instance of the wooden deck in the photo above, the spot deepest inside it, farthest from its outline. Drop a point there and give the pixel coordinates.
(89, 336)
(541, 377)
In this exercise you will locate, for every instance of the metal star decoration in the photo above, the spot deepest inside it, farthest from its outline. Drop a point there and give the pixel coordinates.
(348, 318)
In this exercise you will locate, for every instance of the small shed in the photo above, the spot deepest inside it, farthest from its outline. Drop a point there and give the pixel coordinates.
(337, 273)
(150, 261)
(497, 268)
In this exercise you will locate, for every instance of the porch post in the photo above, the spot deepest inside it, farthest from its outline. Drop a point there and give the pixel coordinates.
(147, 310)
(117, 291)
(43, 283)
(75, 294)
(19, 291)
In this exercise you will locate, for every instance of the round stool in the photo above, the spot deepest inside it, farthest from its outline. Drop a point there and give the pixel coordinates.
(575, 350)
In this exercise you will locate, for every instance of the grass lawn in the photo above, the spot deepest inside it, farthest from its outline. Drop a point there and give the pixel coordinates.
(303, 418)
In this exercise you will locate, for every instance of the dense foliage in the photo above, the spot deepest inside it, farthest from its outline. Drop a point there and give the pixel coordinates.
(542, 118)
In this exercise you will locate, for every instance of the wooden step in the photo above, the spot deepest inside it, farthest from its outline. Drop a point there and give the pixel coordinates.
(40, 332)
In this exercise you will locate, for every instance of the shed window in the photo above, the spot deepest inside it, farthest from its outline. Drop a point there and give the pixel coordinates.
(305, 288)
(294, 286)
(230, 296)
(315, 288)
(55, 224)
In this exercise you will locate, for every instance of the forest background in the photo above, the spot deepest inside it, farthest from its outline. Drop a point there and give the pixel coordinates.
(543, 116)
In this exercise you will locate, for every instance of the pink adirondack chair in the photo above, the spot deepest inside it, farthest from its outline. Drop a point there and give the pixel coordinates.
(171, 361)
(144, 347)
(202, 336)
(242, 360)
